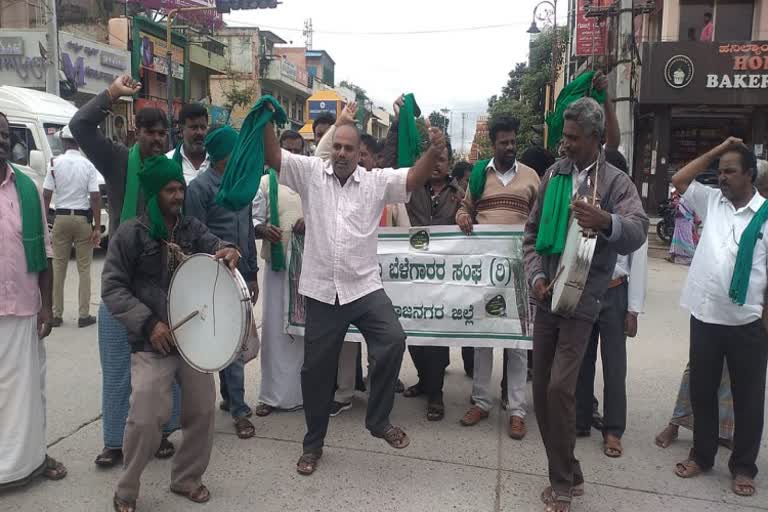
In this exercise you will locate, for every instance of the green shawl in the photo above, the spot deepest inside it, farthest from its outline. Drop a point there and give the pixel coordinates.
(157, 172)
(246, 163)
(553, 227)
(32, 229)
(477, 179)
(743, 267)
(276, 248)
(177, 155)
(408, 138)
(580, 87)
(131, 197)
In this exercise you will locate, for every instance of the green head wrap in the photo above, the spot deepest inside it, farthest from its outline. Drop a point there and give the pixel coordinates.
(220, 142)
(158, 171)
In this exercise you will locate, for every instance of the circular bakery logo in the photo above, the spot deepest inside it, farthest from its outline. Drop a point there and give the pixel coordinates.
(679, 71)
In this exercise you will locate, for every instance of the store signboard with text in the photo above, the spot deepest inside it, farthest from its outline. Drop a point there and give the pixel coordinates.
(154, 56)
(703, 73)
(591, 32)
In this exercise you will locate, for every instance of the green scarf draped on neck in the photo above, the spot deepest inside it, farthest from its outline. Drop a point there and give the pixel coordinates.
(408, 138)
(553, 227)
(32, 229)
(477, 179)
(743, 267)
(246, 163)
(177, 155)
(131, 197)
(157, 172)
(276, 248)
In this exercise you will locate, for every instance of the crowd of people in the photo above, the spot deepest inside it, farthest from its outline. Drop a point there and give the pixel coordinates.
(219, 191)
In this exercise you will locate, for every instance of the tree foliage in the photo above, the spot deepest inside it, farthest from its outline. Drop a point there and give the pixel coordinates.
(439, 120)
(524, 95)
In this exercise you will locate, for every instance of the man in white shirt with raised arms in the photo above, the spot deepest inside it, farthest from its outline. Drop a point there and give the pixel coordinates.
(342, 205)
(725, 294)
(75, 181)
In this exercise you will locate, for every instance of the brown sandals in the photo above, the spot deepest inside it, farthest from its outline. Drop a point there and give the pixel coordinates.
(121, 505)
(394, 436)
(689, 468)
(742, 485)
(244, 428)
(558, 502)
(612, 446)
(199, 495)
(308, 462)
(667, 436)
(54, 470)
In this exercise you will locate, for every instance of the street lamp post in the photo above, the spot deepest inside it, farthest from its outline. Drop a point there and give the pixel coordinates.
(543, 12)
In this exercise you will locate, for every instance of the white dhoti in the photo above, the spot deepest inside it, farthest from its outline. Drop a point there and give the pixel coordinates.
(22, 398)
(282, 356)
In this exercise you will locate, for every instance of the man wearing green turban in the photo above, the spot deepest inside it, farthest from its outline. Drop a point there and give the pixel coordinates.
(237, 227)
(142, 256)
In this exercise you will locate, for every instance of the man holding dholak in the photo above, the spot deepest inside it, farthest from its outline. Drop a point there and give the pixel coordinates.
(725, 294)
(237, 227)
(342, 206)
(501, 191)
(142, 257)
(119, 166)
(621, 227)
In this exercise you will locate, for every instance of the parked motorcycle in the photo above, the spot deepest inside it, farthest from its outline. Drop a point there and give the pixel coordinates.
(665, 229)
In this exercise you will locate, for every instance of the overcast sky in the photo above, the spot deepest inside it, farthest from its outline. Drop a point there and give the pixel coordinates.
(457, 70)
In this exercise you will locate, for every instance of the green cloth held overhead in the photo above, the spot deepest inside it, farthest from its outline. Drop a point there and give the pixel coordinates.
(276, 248)
(553, 228)
(131, 198)
(477, 179)
(580, 87)
(743, 267)
(408, 138)
(246, 163)
(220, 143)
(32, 229)
(157, 172)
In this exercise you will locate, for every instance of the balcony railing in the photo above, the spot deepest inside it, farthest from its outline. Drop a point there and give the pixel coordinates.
(284, 71)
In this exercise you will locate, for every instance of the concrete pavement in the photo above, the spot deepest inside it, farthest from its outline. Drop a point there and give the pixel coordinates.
(446, 467)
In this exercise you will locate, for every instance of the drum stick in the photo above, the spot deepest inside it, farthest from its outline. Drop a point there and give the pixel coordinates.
(552, 284)
(186, 319)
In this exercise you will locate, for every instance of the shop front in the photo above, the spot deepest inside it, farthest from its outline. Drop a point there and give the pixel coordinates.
(693, 95)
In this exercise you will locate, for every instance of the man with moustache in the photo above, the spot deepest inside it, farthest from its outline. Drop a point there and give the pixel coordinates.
(119, 166)
(501, 191)
(190, 153)
(342, 205)
(142, 257)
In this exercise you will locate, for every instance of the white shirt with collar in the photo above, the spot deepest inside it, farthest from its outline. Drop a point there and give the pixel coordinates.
(188, 167)
(635, 268)
(341, 225)
(72, 179)
(709, 279)
(505, 177)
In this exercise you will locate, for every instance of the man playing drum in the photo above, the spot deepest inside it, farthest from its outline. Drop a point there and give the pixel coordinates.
(621, 227)
(342, 206)
(141, 259)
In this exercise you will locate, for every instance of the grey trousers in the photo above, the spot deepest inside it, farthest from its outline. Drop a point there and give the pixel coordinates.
(152, 376)
(326, 327)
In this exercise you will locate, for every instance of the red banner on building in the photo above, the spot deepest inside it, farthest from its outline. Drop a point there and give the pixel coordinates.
(591, 33)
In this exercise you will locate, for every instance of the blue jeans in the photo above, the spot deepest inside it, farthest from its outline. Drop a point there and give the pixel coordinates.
(232, 380)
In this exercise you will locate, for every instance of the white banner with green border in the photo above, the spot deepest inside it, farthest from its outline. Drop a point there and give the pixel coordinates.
(447, 288)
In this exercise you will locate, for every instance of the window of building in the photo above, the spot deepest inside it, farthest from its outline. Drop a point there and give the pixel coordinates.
(731, 20)
(312, 70)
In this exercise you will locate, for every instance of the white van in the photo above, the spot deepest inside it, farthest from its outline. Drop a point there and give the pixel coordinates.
(35, 118)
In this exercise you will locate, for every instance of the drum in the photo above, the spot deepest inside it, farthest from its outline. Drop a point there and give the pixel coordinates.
(573, 269)
(209, 312)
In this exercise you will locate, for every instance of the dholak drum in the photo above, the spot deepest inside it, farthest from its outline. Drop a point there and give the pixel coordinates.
(573, 269)
(209, 311)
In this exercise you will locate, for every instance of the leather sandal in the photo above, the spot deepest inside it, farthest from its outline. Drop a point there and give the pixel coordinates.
(742, 485)
(688, 469)
(307, 463)
(473, 416)
(109, 458)
(612, 446)
(435, 411)
(54, 470)
(394, 436)
(121, 505)
(199, 495)
(244, 428)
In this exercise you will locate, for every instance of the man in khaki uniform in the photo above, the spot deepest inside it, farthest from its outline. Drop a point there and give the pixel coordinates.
(75, 181)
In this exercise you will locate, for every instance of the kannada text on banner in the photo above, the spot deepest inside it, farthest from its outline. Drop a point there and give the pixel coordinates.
(447, 288)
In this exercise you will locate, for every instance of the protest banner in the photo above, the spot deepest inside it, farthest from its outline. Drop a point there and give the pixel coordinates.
(447, 288)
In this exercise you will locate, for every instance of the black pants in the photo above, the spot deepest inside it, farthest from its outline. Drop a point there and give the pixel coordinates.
(326, 327)
(431, 363)
(745, 349)
(609, 329)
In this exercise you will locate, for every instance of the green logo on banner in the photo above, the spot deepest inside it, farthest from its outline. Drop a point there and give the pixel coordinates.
(497, 306)
(420, 240)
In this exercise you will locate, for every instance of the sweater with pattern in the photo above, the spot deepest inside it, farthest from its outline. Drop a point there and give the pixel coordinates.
(501, 204)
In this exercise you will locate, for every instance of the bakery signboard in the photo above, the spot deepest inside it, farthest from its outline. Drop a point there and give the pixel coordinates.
(701, 73)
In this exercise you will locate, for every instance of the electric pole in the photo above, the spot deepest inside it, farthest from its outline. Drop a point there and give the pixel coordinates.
(625, 108)
(52, 40)
(463, 116)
